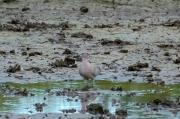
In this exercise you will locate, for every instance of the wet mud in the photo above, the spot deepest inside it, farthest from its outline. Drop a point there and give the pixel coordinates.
(135, 43)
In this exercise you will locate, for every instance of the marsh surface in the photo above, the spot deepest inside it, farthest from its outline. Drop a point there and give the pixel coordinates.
(134, 42)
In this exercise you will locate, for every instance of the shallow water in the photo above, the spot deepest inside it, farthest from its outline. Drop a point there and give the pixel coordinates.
(100, 93)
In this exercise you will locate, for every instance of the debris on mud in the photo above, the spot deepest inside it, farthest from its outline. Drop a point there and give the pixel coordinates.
(87, 26)
(172, 23)
(12, 52)
(14, 21)
(86, 88)
(165, 45)
(51, 40)
(106, 42)
(68, 62)
(95, 109)
(24, 53)
(25, 9)
(137, 67)
(103, 26)
(136, 29)
(119, 88)
(130, 94)
(10, 90)
(167, 103)
(107, 53)
(150, 79)
(118, 41)
(84, 9)
(115, 42)
(24, 92)
(8, 1)
(37, 25)
(176, 61)
(65, 25)
(66, 91)
(67, 51)
(62, 35)
(142, 65)
(26, 26)
(162, 83)
(34, 53)
(34, 69)
(123, 51)
(157, 101)
(166, 54)
(155, 69)
(13, 69)
(82, 35)
(133, 68)
(120, 112)
(69, 110)
(2, 52)
(39, 106)
(59, 63)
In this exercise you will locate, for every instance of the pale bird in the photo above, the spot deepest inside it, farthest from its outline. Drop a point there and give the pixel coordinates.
(86, 69)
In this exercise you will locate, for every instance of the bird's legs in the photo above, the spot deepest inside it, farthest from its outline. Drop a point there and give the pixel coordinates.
(85, 81)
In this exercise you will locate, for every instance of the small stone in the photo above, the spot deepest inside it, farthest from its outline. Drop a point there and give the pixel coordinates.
(86, 88)
(46, 1)
(150, 79)
(14, 69)
(84, 9)
(176, 61)
(124, 51)
(142, 65)
(155, 69)
(87, 26)
(82, 35)
(157, 101)
(119, 89)
(107, 53)
(133, 68)
(166, 54)
(67, 51)
(8, 1)
(25, 9)
(112, 89)
(24, 53)
(106, 42)
(23, 92)
(12, 51)
(2, 52)
(70, 62)
(34, 53)
(59, 63)
(121, 112)
(118, 41)
(162, 83)
(95, 109)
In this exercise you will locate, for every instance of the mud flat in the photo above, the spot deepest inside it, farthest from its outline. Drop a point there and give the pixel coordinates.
(130, 40)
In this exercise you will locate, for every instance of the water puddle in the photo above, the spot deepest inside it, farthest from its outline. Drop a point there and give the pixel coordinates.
(68, 95)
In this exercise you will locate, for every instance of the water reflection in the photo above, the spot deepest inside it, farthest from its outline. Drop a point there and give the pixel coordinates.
(99, 93)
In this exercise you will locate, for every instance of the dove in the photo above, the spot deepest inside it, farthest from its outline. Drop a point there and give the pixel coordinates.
(88, 70)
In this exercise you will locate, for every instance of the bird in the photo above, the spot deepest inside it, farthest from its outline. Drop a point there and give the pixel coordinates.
(86, 69)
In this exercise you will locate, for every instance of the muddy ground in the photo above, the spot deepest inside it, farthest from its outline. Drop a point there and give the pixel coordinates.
(41, 41)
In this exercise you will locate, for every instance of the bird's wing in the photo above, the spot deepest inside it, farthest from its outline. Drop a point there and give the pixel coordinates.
(95, 70)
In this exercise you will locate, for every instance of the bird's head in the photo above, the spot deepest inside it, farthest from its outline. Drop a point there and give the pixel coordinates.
(84, 56)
